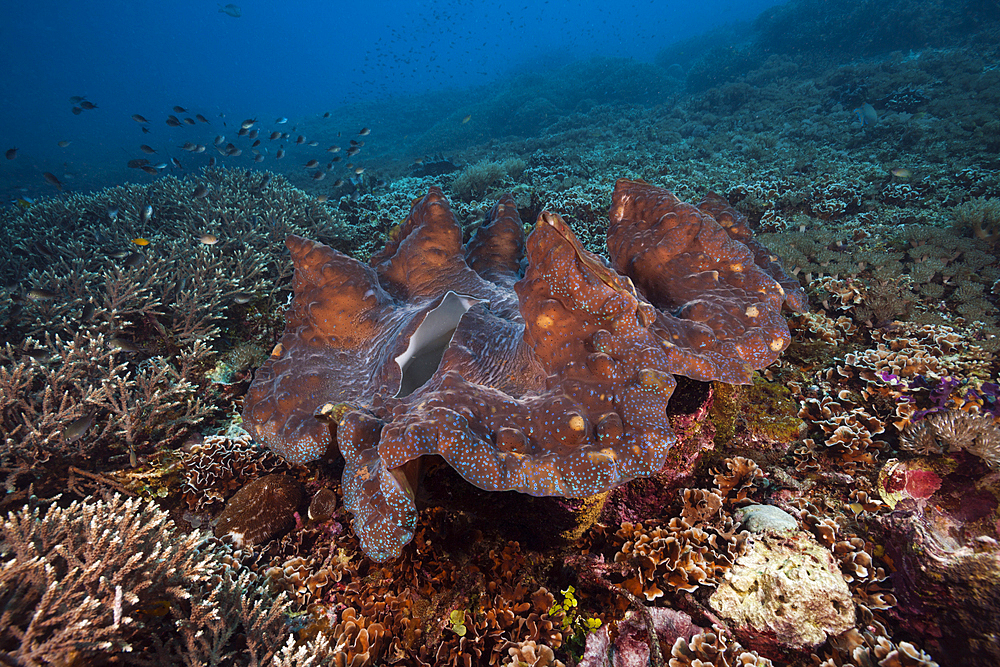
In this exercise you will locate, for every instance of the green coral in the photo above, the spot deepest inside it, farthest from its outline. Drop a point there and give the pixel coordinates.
(457, 622)
(575, 625)
(763, 408)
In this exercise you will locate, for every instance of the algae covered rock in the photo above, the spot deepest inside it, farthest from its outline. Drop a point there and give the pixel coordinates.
(765, 518)
(787, 588)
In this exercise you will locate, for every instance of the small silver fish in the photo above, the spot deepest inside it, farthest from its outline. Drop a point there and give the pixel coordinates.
(78, 427)
(147, 213)
(39, 294)
(122, 344)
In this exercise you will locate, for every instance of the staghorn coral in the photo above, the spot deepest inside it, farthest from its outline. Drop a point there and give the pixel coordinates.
(113, 580)
(63, 399)
(111, 360)
(495, 417)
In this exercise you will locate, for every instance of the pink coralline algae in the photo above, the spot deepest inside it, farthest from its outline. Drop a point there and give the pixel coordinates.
(528, 365)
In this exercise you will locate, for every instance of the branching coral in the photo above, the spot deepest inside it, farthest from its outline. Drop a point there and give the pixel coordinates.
(108, 332)
(60, 400)
(982, 216)
(114, 580)
(951, 431)
(477, 179)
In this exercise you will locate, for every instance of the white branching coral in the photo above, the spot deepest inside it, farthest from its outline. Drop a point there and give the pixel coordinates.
(951, 431)
(62, 397)
(100, 580)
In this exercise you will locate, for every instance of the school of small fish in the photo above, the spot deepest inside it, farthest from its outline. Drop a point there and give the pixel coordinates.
(247, 130)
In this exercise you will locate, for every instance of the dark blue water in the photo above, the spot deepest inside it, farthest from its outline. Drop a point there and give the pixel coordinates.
(290, 59)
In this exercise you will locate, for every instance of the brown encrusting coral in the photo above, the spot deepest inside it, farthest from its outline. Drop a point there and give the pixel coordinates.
(260, 511)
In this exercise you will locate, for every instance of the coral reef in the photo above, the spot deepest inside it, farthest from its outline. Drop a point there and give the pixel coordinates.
(106, 334)
(569, 397)
(951, 431)
(125, 365)
(787, 591)
(115, 581)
